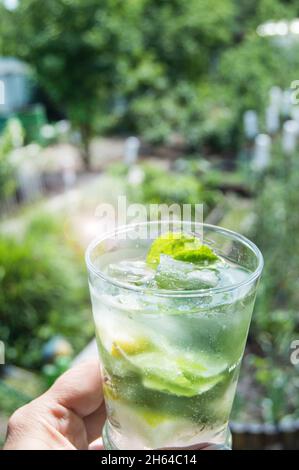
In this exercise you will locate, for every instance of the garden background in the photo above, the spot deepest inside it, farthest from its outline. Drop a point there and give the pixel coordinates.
(207, 87)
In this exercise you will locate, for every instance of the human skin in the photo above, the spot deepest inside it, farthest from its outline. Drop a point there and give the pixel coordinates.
(69, 416)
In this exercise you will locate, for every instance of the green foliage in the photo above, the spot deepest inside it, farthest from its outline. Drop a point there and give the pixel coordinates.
(253, 67)
(276, 233)
(274, 379)
(51, 372)
(12, 136)
(184, 35)
(202, 115)
(267, 392)
(161, 186)
(10, 399)
(275, 10)
(155, 68)
(252, 14)
(80, 52)
(43, 293)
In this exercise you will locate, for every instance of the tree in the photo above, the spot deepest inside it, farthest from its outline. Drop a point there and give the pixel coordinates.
(79, 51)
(149, 66)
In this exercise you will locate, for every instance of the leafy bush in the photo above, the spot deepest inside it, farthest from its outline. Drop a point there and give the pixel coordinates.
(12, 136)
(10, 399)
(43, 293)
(202, 115)
(269, 381)
(182, 66)
(51, 372)
(276, 233)
(161, 186)
(267, 392)
(157, 185)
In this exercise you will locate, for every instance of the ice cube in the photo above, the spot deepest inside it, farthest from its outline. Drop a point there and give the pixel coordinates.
(131, 271)
(176, 275)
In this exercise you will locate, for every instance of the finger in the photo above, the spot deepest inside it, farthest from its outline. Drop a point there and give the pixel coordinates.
(79, 389)
(94, 423)
(96, 445)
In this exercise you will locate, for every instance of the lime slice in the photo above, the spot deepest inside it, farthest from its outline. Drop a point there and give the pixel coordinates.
(167, 244)
(203, 255)
(181, 386)
(130, 347)
(181, 246)
(175, 375)
(200, 370)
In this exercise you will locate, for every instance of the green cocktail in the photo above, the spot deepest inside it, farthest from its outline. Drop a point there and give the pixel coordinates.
(172, 316)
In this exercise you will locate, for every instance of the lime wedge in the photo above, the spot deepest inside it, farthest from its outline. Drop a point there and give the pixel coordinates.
(181, 246)
(175, 375)
(181, 386)
(130, 347)
(203, 254)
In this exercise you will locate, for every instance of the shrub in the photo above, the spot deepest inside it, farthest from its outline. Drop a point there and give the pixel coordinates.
(161, 186)
(272, 393)
(12, 136)
(43, 293)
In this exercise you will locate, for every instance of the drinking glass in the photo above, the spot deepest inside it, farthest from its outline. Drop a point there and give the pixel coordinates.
(170, 359)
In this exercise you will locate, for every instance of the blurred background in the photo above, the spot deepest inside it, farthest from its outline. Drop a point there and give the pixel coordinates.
(181, 101)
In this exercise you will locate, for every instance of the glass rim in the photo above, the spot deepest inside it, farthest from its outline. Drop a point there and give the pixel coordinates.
(170, 292)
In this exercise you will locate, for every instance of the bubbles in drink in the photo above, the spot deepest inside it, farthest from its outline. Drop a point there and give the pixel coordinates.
(134, 272)
(171, 361)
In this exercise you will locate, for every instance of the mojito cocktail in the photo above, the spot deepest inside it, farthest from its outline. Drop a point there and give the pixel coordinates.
(172, 311)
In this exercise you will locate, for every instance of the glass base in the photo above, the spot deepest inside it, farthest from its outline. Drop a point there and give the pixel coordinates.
(109, 445)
